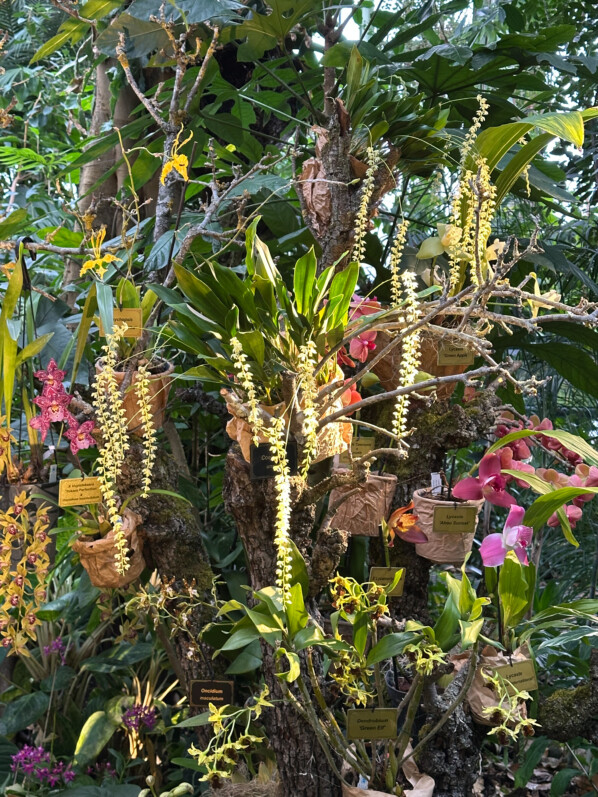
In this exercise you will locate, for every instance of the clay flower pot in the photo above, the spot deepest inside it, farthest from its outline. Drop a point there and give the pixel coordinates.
(363, 511)
(450, 546)
(159, 385)
(388, 370)
(98, 557)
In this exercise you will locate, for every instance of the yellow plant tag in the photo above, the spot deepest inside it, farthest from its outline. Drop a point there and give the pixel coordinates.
(385, 576)
(77, 492)
(453, 354)
(520, 675)
(454, 519)
(132, 316)
(372, 723)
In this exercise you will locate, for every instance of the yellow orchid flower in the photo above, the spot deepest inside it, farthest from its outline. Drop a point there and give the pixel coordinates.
(99, 261)
(537, 303)
(177, 161)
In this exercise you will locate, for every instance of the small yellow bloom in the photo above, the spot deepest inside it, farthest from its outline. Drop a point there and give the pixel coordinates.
(177, 161)
(98, 264)
(537, 303)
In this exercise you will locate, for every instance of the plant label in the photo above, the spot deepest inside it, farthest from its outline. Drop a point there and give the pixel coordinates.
(261, 466)
(436, 482)
(453, 354)
(360, 446)
(220, 693)
(385, 576)
(132, 316)
(454, 519)
(519, 675)
(372, 723)
(77, 492)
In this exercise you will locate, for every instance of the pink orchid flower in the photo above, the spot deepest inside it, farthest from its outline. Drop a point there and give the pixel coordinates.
(519, 448)
(359, 307)
(585, 476)
(79, 435)
(53, 404)
(362, 345)
(514, 537)
(490, 484)
(573, 513)
(42, 424)
(508, 461)
(52, 375)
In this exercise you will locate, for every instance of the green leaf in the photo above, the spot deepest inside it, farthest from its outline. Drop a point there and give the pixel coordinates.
(304, 282)
(70, 31)
(532, 757)
(13, 224)
(544, 506)
(194, 722)
(512, 590)
(360, 632)
(95, 735)
(470, 632)
(297, 616)
(96, 9)
(241, 638)
(299, 569)
(24, 711)
(8, 345)
(105, 306)
(570, 441)
(561, 781)
(389, 646)
(248, 660)
(568, 125)
(33, 348)
(294, 667)
(574, 364)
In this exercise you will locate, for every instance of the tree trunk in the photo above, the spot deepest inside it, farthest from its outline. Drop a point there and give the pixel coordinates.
(302, 766)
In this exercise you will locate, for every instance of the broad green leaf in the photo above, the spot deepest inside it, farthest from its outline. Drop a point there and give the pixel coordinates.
(470, 632)
(13, 224)
(96, 9)
(33, 348)
(194, 722)
(105, 306)
(297, 616)
(70, 31)
(360, 632)
(389, 646)
(8, 345)
(542, 487)
(561, 780)
(95, 735)
(304, 282)
(24, 711)
(567, 125)
(544, 506)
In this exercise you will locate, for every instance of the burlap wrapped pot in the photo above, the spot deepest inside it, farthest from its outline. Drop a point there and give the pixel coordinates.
(363, 511)
(98, 557)
(442, 548)
(159, 385)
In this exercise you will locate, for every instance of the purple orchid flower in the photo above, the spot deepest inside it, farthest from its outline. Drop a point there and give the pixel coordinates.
(514, 537)
(490, 484)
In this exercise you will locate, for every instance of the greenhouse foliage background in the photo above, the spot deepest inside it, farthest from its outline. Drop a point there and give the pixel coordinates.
(299, 395)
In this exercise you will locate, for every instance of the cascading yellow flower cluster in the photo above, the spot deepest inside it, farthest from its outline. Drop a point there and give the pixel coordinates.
(395, 260)
(463, 231)
(277, 440)
(363, 214)
(309, 393)
(410, 354)
(111, 418)
(245, 378)
(24, 564)
(148, 430)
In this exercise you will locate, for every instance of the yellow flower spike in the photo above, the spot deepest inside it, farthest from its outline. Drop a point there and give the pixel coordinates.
(176, 160)
(98, 263)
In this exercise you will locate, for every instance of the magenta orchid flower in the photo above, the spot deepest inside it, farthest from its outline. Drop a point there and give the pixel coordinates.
(53, 404)
(490, 484)
(80, 435)
(52, 375)
(514, 537)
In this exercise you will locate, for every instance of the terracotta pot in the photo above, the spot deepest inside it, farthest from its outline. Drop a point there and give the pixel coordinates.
(98, 557)
(159, 385)
(335, 438)
(450, 547)
(480, 696)
(388, 370)
(363, 511)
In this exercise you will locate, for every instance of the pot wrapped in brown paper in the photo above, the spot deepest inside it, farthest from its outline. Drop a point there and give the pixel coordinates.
(480, 695)
(388, 370)
(444, 547)
(423, 785)
(363, 511)
(98, 557)
(158, 387)
(334, 438)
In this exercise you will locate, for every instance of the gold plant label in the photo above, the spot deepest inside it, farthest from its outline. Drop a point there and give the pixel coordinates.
(77, 492)
(360, 446)
(385, 576)
(372, 723)
(454, 519)
(519, 675)
(453, 354)
(132, 316)
(220, 693)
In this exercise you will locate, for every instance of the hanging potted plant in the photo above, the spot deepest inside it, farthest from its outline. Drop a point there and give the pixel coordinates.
(362, 508)
(100, 549)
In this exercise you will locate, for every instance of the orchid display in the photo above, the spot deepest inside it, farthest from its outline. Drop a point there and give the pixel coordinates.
(490, 484)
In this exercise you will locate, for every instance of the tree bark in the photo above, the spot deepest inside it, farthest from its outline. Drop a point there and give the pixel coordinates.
(302, 766)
